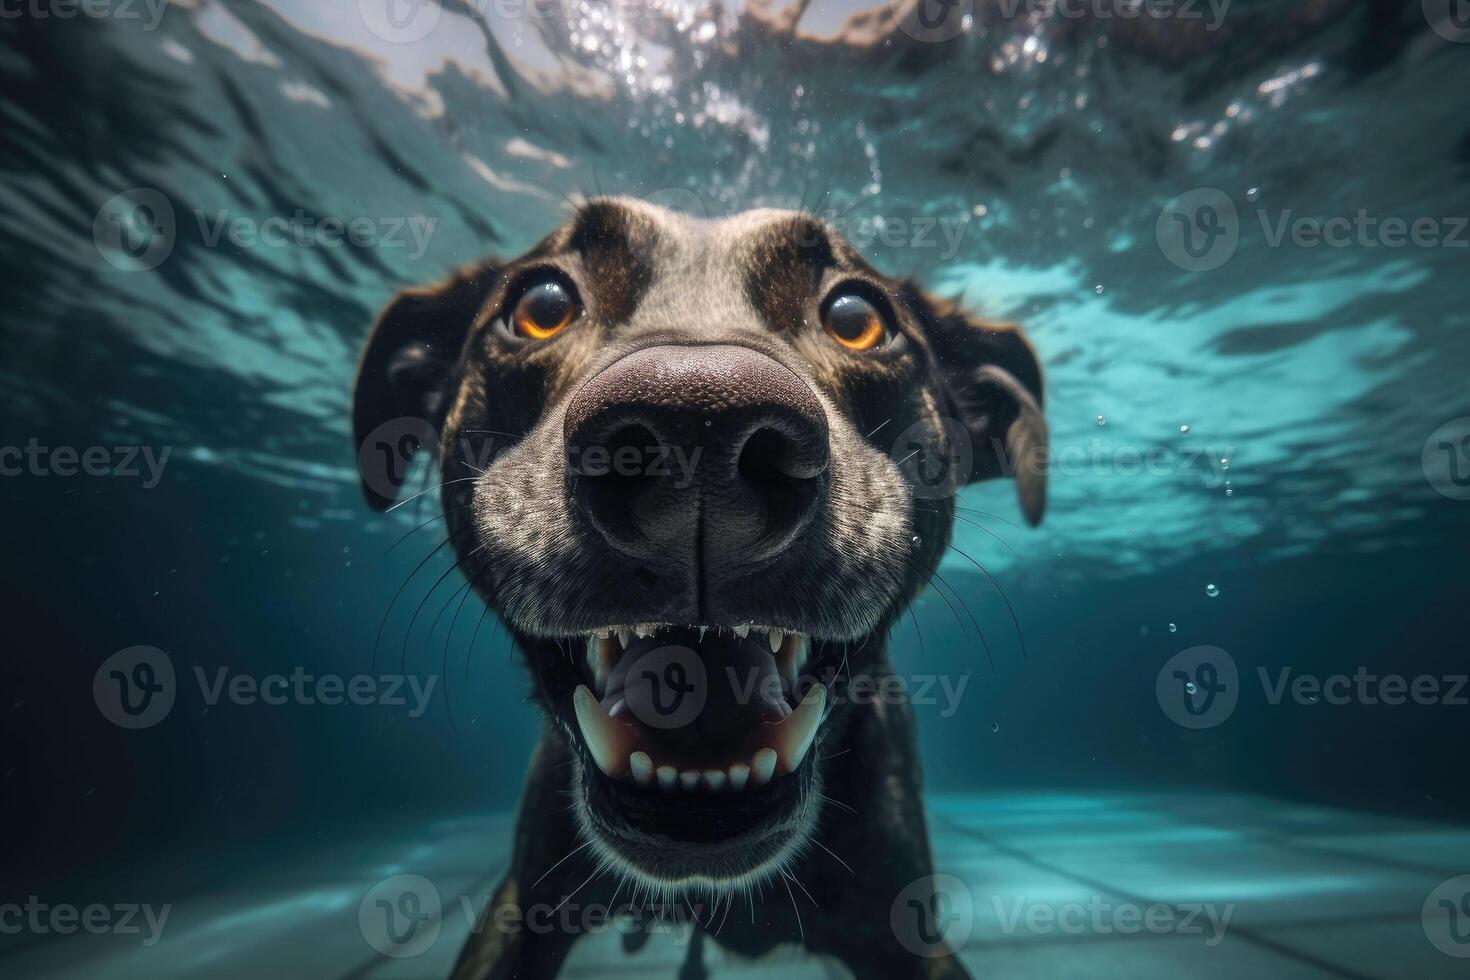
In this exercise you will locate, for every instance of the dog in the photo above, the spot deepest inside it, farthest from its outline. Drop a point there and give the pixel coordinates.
(725, 454)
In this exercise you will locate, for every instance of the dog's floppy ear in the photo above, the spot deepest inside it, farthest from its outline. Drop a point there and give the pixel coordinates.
(406, 375)
(992, 386)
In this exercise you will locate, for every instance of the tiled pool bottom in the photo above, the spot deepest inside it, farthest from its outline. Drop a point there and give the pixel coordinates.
(1060, 886)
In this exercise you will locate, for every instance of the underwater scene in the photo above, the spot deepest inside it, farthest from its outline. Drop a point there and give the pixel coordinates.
(1059, 510)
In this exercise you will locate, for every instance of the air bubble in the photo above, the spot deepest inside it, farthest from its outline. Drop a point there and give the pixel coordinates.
(1097, 289)
(1102, 420)
(1173, 628)
(1212, 590)
(995, 727)
(1190, 687)
(1184, 429)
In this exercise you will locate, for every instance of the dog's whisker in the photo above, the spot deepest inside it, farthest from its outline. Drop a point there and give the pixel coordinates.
(1003, 542)
(800, 931)
(446, 483)
(999, 591)
(420, 527)
(403, 653)
(880, 425)
(837, 803)
(917, 632)
(582, 846)
(382, 626)
(596, 871)
(834, 856)
(939, 591)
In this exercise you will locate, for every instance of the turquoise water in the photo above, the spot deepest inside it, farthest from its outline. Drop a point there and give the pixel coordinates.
(1249, 456)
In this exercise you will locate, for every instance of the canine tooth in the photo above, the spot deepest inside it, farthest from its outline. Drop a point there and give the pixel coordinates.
(667, 777)
(797, 731)
(689, 779)
(642, 768)
(742, 631)
(739, 773)
(625, 636)
(762, 767)
(714, 778)
(702, 631)
(606, 739)
(644, 630)
(775, 637)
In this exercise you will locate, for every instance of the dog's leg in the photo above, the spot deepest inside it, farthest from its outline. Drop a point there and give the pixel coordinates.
(517, 936)
(885, 843)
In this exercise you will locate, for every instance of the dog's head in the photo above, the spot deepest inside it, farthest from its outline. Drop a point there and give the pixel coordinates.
(698, 468)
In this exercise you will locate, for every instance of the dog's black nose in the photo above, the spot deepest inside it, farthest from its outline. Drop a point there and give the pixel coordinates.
(712, 456)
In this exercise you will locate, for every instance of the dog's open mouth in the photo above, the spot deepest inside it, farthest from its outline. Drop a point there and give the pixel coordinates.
(692, 709)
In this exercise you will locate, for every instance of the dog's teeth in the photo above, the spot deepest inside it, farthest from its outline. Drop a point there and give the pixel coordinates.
(667, 777)
(607, 740)
(775, 637)
(714, 778)
(739, 773)
(742, 631)
(689, 779)
(641, 766)
(797, 731)
(644, 630)
(702, 631)
(761, 768)
(625, 636)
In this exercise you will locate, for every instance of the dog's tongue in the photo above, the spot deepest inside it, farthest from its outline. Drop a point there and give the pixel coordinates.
(707, 685)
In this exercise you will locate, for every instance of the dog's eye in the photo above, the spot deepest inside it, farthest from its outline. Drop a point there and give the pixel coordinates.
(854, 322)
(544, 311)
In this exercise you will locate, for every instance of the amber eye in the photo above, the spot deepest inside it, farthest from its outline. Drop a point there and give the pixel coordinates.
(854, 322)
(544, 311)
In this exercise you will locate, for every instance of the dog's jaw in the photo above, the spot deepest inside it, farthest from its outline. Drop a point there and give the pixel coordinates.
(655, 871)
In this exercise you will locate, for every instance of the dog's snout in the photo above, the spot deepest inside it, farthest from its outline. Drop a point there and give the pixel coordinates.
(711, 455)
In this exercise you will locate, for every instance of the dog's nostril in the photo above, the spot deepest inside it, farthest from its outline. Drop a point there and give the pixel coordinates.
(773, 459)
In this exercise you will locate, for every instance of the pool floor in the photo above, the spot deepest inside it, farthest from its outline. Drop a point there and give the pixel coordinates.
(1059, 884)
